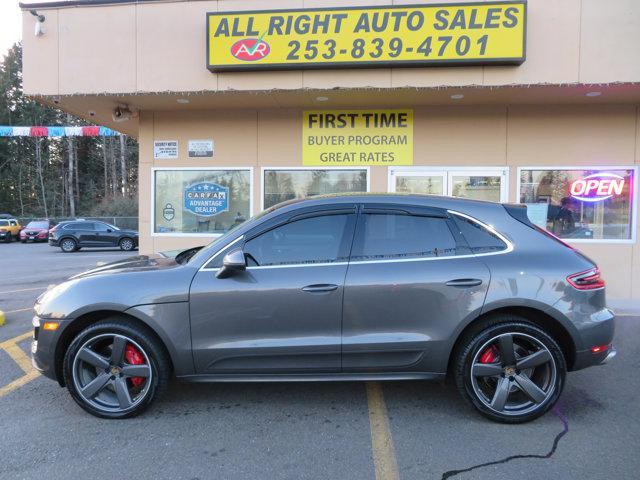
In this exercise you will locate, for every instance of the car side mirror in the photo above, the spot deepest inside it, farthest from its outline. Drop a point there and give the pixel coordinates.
(232, 262)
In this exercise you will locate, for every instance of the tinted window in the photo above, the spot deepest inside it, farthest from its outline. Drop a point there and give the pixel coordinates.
(101, 227)
(310, 240)
(79, 226)
(402, 236)
(480, 240)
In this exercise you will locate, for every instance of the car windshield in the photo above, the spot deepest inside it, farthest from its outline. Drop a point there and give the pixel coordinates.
(38, 225)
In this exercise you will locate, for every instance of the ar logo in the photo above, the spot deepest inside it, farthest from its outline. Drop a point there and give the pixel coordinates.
(168, 212)
(250, 49)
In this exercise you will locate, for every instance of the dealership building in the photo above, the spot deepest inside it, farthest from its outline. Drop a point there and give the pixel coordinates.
(241, 104)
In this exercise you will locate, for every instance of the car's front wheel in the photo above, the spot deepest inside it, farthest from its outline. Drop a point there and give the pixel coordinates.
(126, 245)
(511, 371)
(68, 245)
(115, 369)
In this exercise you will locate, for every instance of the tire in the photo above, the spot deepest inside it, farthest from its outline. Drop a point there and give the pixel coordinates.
(68, 245)
(504, 388)
(23, 241)
(126, 244)
(89, 359)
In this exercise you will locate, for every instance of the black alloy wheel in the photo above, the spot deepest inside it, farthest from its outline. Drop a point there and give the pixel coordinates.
(114, 369)
(511, 372)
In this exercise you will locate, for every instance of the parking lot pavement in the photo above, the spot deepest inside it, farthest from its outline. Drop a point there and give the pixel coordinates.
(406, 430)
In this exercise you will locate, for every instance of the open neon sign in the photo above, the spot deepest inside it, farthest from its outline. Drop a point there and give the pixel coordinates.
(597, 187)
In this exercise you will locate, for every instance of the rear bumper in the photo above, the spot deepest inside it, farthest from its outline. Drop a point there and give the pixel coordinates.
(599, 330)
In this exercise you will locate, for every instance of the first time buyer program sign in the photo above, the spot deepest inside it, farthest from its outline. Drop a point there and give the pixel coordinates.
(347, 37)
(357, 137)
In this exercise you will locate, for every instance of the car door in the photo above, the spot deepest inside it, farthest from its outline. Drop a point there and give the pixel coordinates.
(86, 233)
(411, 280)
(105, 235)
(284, 313)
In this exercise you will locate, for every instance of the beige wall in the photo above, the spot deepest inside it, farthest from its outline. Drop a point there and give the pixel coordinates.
(159, 47)
(454, 136)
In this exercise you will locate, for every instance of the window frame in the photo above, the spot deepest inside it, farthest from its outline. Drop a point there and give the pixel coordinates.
(152, 223)
(604, 168)
(284, 168)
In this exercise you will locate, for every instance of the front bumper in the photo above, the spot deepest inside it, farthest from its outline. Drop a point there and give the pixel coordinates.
(53, 242)
(43, 347)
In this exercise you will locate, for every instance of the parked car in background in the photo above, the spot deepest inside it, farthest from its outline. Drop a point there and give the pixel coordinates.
(36, 231)
(367, 287)
(9, 229)
(73, 235)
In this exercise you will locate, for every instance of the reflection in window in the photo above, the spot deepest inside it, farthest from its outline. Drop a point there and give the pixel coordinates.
(427, 184)
(580, 204)
(311, 240)
(389, 236)
(477, 187)
(282, 185)
(201, 201)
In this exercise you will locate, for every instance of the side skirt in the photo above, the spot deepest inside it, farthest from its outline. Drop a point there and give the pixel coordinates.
(328, 377)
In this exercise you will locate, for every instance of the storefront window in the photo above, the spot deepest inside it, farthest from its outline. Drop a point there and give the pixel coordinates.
(426, 184)
(282, 185)
(580, 204)
(201, 201)
(477, 187)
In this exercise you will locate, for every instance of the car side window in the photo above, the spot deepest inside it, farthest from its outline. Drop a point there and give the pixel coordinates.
(318, 239)
(100, 227)
(397, 236)
(480, 239)
(13, 223)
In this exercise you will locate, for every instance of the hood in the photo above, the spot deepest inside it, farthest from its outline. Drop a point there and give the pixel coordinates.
(139, 263)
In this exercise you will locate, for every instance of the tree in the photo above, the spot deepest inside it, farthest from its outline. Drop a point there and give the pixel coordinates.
(56, 177)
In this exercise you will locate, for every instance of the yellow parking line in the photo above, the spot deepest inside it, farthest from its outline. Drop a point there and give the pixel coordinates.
(19, 382)
(14, 340)
(18, 356)
(384, 455)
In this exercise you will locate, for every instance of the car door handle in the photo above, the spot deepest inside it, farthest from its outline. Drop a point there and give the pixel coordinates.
(464, 282)
(324, 287)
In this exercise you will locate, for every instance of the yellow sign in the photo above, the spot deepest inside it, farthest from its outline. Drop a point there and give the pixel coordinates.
(357, 137)
(478, 33)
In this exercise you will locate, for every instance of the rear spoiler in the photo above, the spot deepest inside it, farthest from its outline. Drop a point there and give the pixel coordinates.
(519, 212)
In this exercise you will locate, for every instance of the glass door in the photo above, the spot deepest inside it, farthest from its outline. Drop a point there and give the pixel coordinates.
(417, 181)
(489, 185)
(478, 184)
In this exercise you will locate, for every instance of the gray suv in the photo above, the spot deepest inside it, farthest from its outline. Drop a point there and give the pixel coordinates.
(365, 287)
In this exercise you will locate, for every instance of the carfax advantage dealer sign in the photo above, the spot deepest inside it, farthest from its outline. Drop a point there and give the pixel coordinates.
(416, 35)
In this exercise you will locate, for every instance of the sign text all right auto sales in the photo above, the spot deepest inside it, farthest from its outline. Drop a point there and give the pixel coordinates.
(357, 137)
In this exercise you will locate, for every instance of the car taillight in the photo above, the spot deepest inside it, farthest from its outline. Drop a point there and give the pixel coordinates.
(586, 280)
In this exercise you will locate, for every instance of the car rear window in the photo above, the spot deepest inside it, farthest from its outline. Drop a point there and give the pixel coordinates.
(480, 239)
(396, 236)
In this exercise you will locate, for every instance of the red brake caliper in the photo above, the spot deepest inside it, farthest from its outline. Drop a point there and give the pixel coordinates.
(133, 356)
(489, 355)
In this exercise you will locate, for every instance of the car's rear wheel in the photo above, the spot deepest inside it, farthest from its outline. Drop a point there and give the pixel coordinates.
(114, 369)
(126, 244)
(68, 245)
(511, 371)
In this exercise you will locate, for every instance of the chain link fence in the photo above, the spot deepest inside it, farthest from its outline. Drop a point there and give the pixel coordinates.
(127, 223)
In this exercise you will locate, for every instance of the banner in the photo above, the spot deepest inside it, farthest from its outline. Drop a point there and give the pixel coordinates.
(348, 37)
(357, 137)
